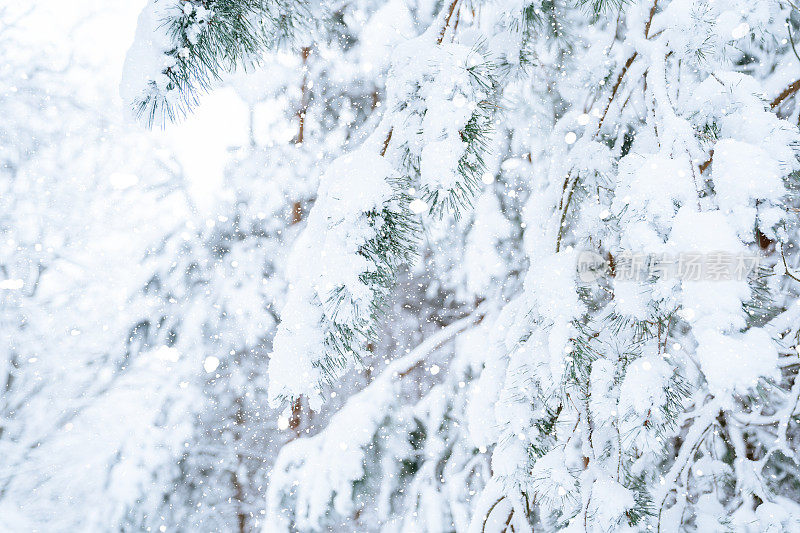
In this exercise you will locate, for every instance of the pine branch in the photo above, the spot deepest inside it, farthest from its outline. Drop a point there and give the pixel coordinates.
(571, 182)
(184, 46)
(439, 41)
(704, 420)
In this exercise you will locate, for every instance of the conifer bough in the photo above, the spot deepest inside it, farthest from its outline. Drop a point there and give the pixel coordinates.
(646, 403)
(182, 47)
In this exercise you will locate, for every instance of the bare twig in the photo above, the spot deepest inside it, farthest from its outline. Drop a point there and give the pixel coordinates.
(786, 93)
(386, 142)
(452, 8)
(650, 19)
(706, 164)
(614, 90)
(786, 268)
(489, 513)
(301, 112)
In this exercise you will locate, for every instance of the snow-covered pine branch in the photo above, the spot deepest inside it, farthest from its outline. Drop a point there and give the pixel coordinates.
(441, 100)
(444, 100)
(318, 478)
(650, 128)
(613, 397)
(183, 46)
(359, 233)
